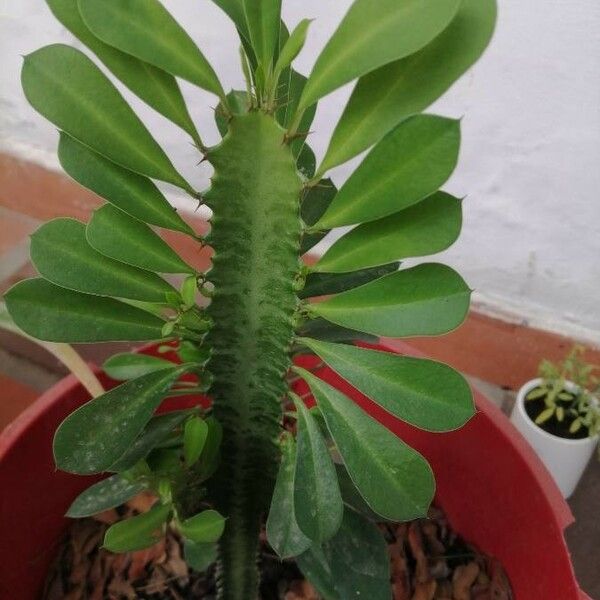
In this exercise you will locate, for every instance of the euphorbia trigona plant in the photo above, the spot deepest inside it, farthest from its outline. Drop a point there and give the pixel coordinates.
(221, 473)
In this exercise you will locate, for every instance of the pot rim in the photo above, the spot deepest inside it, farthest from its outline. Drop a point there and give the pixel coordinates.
(520, 406)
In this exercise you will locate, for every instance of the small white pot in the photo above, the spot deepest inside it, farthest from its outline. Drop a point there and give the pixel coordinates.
(566, 459)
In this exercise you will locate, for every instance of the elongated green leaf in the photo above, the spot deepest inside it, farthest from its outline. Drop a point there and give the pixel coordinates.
(283, 533)
(387, 96)
(423, 392)
(155, 87)
(67, 88)
(321, 284)
(293, 45)
(156, 432)
(263, 18)
(429, 299)
(146, 30)
(117, 235)
(205, 527)
(317, 500)
(321, 329)
(195, 434)
(353, 564)
(234, 9)
(362, 574)
(395, 480)
(408, 165)
(62, 255)
(137, 533)
(316, 201)
(54, 314)
(369, 37)
(108, 493)
(96, 435)
(132, 193)
(129, 365)
(428, 227)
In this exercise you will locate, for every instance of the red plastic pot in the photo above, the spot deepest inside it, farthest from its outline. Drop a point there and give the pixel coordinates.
(493, 488)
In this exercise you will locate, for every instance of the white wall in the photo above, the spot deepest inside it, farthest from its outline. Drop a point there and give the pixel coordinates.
(530, 160)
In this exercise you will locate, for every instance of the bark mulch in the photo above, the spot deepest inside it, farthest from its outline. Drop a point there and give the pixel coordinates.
(428, 562)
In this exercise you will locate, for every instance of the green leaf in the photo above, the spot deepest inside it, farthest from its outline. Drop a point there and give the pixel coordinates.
(368, 38)
(317, 500)
(108, 493)
(408, 165)
(117, 235)
(146, 30)
(321, 284)
(354, 564)
(428, 299)
(263, 18)
(62, 255)
(428, 227)
(199, 556)
(359, 560)
(137, 533)
(395, 480)
(54, 314)
(351, 496)
(387, 96)
(194, 438)
(306, 162)
(294, 90)
(155, 87)
(315, 567)
(293, 45)
(92, 438)
(189, 289)
(283, 533)
(235, 11)
(575, 426)
(129, 365)
(205, 527)
(209, 459)
(314, 205)
(157, 431)
(537, 393)
(423, 392)
(67, 88)
(132, 193)
(545, 415)
(321, 329)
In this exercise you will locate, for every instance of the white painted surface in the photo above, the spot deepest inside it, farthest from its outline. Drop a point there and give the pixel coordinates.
(565, 459)
(530, 161)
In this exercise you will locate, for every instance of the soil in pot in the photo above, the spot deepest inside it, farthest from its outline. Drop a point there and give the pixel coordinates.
(428, 561)
(533, 408)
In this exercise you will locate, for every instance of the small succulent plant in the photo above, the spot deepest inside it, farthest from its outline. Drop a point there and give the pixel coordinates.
(222, 471)
(578, 406)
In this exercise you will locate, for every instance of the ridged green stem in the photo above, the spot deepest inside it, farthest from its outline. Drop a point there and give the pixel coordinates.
(255, 235)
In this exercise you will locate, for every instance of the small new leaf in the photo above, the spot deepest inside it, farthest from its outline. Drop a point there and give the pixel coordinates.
(194, 438)
(137, 533)
(205, 527)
